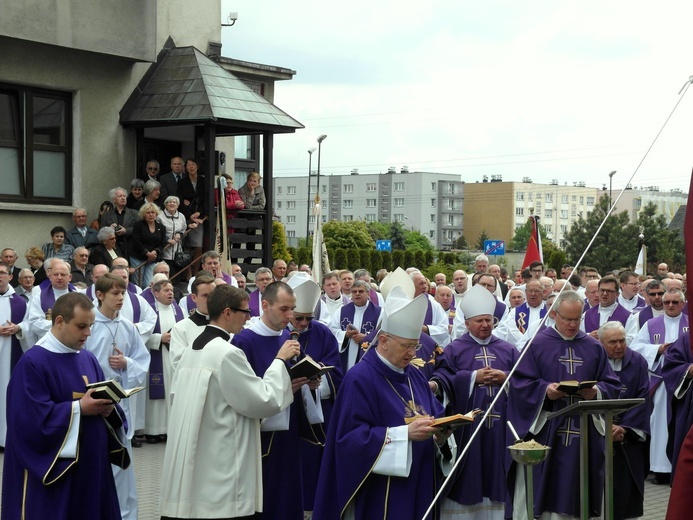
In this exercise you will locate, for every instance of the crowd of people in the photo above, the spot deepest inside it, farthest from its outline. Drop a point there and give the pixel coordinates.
(246, 438)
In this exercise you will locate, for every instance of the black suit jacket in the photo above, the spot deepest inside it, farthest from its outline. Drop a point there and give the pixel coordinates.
(131, 216)
(14, 282)
(169, 186)
(75, 238)
(99, 255)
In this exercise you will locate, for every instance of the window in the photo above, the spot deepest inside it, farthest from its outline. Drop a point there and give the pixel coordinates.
(582, 200)
(529, 196)
(348, 218)
(451, 188)
(279, 190)
(291, 190)
(433, 186)
(451, 220)
(590, 201)
(519, 212)
(564, 213)
(324, 188)
(574, 198)
(370, 203)
(348, 203)
(520, 195)
(432, 233)
(348, 188)
(564, 229)
(549, 197)
(291, 219)
(399, 186)
(291, 234)
(311, 219)
(433, 218)
(399, 203)
(279, 204)
(548, 213)
(564, 199)
(451, 204)
(399, 217)
(312, 188)
(548, 228)
(291, 204)
(370, 186)
(433, 203)
(573, 212)
(370, 217)
(35, 145)
(324, 218)
(538, 196)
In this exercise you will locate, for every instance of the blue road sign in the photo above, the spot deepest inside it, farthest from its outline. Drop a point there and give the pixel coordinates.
(383, 245)
(494, 247)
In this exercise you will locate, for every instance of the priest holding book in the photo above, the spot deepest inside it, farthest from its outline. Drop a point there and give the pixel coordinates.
(382, 451)
(469, 375)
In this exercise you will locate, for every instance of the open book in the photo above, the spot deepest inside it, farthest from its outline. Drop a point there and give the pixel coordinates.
(457, 420)
(308, 368)
(572, 387)
(112, 390)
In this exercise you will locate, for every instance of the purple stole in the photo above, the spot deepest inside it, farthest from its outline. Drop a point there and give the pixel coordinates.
(90, 292)
(620, 314)
(148, 295)
(657, 332)
(132, 288)
(498, 313)
(135, 307)
(368, 323)
(373, 296)
(451, 313)
(254, 303)
(428, 319)
(17, 314)
(156, 365)
(48, 297)
(191, 304)
(644, 316)
(522, 316)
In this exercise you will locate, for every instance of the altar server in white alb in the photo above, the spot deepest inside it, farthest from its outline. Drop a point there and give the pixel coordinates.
(212, 465)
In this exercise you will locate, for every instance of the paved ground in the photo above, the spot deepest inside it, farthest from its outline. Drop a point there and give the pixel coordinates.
(148, 466)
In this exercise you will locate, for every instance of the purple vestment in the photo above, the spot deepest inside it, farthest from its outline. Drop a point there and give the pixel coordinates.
(482, 473)
(645, 315)
(255, 303)
(620, 314)
(678, 358)
(157, 385)
(18, 307)
(522, 316)
(368, 324)
(282, 481)
(36, 483)
(372, 398)
(551, 359)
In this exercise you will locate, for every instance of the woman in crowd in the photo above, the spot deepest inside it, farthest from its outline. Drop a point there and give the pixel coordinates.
(232, 198)
(136, 195)
(35, 257)
(175, 226)
(57, 248)
(252, 194)
(107, 250)
(152, 190)
(106, 206)
(191, 194)
(147, 242)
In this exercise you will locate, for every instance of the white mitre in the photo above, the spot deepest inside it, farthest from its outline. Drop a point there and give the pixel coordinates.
(403, 316)
(478, 301)
(397, 278)
(307, 292)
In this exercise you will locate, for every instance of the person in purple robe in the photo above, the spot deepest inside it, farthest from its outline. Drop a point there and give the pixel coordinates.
(61, 441)
(631, 428)
(557, 354)
(677, 372)
(469, 374)
(382, 453)
(608, 309)
(263, 277)
(282, 481)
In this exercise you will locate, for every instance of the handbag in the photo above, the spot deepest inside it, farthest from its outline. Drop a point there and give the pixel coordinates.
(182, 258)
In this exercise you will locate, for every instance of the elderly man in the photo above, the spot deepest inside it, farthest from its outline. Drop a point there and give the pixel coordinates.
(278, 270)
(515, 324)
(591, 294)
(211, 262)
(9, 256)
(42, 300)
(263, 277)
(481, 264)
(80, 268)
(436, 321)
(26, 284)
(241, 282)
(607, 310)
(375, 297)
(216, 384)
(81, 234)
(169, 181)
(440, 279)
(632, 427)
(558, 354)
(469, 375)
(489, 282)
(353, 323)
(652, 341)
(121, 218)
(501, 288)
(662, 271)
(629, 297)
(516, 297)
(381, 448)
(446, 300)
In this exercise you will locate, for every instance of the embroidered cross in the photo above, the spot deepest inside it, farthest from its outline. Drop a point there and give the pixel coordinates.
(570, 360)
(491, 418)
(568, 432)
(157, 379)
(485, 356)
(345, 323)
(367, 327)
(490, 389)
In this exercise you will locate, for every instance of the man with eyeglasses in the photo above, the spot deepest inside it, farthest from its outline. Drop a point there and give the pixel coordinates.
(81, 234)
(318, 343)
(26, 284)
(607, 310)
(80, 268)
(468, 375)
(263, 277)
(652, 342)
(560, 353)
(382, 452)
(654, 291)
(459, 284)
(537, 270)
(630, 288)
(13, 311)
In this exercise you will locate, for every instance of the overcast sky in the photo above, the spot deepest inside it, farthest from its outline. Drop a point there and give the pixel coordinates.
(548, 90)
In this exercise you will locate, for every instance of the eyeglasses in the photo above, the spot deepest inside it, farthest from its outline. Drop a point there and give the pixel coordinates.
(537, 270)
(304, 318)
(651, 294)
(415, 346)
(247, 311)
(569, 320)
(152, 169)
(5, 273)
(607, 291)
(671, 302)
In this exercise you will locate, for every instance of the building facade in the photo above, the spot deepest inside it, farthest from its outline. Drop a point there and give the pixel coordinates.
(634, 200)
(431, 203)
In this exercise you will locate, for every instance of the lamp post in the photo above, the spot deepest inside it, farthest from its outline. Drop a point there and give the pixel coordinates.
(310, 157)
(320, 140)
(611, 177)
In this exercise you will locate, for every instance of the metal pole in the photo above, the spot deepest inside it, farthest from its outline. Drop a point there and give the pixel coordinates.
(310, 157)
(611, 177)
(320, 140)
(609, 468)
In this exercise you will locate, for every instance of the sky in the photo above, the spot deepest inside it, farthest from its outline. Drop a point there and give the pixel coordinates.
(547, 90)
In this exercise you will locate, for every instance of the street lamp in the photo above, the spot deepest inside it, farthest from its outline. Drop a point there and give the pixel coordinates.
(320, 140)
(611, 176)
(310, 157)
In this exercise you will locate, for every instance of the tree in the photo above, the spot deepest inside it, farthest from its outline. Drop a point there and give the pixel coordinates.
(522, 234)
(347, 235)
(662, 245)
(280, 246)
(483, 236)
(616, 245)
(397, 235)
(460, 242)
(378, 230)
(416, 241)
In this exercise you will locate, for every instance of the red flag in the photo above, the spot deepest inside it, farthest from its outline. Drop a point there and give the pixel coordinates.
(688, 241)
(533, 245)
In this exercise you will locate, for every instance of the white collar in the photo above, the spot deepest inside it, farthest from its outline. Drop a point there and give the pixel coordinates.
(51, 344)
(259, 327)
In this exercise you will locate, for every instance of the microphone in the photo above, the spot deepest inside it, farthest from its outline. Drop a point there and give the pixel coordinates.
(294, 335)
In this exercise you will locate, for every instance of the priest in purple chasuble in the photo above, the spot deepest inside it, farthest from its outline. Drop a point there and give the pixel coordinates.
(382, 453)
(59, 438)
(652, 341)
(352, 323)
(280, 436)
(557, 354)
(631, 428)
(318, 343)
(468, 375)
(160, 375)
(678, 374)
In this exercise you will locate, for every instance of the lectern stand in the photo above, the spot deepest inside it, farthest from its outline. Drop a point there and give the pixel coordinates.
(608, 407)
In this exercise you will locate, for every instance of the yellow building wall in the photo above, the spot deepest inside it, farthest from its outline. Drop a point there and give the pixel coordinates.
(489, 206)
